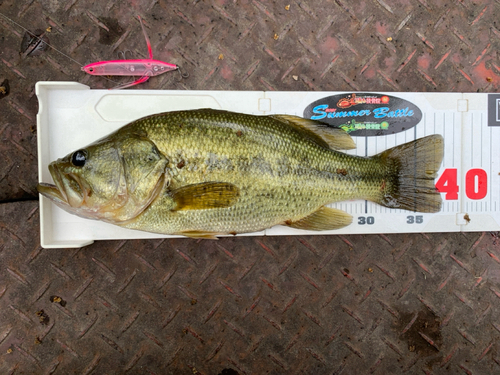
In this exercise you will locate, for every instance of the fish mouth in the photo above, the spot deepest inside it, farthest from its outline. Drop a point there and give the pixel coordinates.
(52, 192)
(67, 191)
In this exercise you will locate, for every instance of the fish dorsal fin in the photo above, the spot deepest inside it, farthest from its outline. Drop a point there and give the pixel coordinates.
(319, 132)
(205, 195)
(324, 218)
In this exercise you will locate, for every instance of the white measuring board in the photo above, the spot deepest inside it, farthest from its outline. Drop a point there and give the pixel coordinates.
(71, 115)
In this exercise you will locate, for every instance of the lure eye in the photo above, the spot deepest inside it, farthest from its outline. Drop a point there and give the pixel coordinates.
(79, 158)
(91, 70)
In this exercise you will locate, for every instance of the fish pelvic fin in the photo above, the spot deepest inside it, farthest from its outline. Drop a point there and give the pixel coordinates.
(199, 234)
(205, 195)
(324, 218)
(319, 132)
(411, 170)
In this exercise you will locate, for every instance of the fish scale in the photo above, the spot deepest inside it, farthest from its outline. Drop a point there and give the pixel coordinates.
(269, 196)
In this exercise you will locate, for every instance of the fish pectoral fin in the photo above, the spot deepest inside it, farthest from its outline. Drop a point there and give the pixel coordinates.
(206, 195)
(319, 132)
(324, 218)
(199, 234)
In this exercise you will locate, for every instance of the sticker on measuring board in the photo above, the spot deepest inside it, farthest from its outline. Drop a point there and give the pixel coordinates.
(493, 109)
(365, 114)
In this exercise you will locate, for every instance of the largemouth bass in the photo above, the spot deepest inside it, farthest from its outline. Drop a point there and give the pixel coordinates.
(203, 173)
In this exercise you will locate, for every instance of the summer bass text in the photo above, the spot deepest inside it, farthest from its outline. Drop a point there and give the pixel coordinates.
(322, 111)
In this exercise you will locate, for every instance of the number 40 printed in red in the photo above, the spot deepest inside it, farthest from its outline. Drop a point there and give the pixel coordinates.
(476, 183)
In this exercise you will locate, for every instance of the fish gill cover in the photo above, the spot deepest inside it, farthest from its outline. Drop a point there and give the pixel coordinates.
(365, 114)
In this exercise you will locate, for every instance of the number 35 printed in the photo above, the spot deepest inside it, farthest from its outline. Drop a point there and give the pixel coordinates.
(476, 184)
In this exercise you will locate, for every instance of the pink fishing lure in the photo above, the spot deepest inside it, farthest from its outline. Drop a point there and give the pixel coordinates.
(141, 67)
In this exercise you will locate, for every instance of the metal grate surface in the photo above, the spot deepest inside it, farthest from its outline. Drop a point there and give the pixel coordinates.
(299, 304)
(324, 304)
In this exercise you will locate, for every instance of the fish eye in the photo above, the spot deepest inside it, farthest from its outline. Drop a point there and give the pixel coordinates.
(79, 158)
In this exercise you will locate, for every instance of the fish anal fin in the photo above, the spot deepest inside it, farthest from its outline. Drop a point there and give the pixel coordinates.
(206, 195)
(324, 218)
(321, 133)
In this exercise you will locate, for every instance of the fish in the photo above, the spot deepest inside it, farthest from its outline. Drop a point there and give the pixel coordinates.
(205, 173)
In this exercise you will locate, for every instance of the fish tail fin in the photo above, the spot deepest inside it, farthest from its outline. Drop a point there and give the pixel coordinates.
(411, 170)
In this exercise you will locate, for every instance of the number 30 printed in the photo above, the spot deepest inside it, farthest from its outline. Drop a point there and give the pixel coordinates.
(476, 184)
